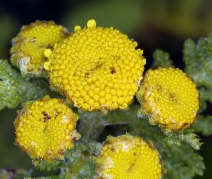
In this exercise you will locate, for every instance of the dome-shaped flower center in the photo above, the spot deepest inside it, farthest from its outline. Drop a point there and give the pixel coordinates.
(170, 98)
(45, 129)
(128, 157)
(29, 46)
(96, 68)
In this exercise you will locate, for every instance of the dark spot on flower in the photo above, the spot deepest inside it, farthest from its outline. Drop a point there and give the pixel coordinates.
(86, 75)
(46, 117)
(112, 70)
(172, 97)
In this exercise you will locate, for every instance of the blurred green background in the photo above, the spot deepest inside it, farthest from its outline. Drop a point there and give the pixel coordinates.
(162, 24)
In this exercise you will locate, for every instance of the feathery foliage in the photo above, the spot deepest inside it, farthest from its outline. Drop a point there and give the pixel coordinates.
(198, 60)
(161, 59)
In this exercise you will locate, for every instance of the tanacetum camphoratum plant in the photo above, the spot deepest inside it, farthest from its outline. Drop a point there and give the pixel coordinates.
(72, 85)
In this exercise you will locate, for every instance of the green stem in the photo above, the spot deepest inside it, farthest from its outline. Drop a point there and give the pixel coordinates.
(91, 126)
(92, 123)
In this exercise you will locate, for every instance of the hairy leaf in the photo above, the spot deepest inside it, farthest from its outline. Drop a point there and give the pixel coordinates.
(76, 164)
(198, 60)
(203, 125)
(181, 162)
(161, 59)
(14, 89)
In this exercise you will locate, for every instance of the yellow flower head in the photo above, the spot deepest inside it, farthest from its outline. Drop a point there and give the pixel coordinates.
(128, 157)
(45, 129)
(96, 68)
(169, 98)
(29, 46)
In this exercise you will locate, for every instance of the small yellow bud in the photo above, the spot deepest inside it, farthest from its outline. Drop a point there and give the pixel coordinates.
(76, 28)
(91, 23)
(47, 52)
(46, 65)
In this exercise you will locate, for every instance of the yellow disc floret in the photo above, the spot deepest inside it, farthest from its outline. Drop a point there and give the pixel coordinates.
(45, 129)
(169, 98)
(128, 157)
(96, 68)
(29, 46)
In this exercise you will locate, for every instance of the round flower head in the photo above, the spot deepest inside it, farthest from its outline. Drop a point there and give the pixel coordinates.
(45, 129)
(169, 98)
(128, 157)
(96, 68)
(29, 46)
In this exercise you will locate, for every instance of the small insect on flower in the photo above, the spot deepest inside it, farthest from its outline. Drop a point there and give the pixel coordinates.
(128, 157)
(45, 129)
(96, 68)
(169, 98)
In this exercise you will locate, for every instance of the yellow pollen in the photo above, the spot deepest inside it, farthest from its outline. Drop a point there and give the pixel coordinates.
(91, 23)
(47, 52)
(76, 28)
(46, 65)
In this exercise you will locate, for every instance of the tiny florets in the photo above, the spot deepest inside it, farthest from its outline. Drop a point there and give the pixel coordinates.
(169, 98)
(29, 46)
(45, 129)
(128, 157)
(96, 68)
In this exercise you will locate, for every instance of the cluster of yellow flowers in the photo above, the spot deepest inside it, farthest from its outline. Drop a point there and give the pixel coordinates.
(97, 69)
